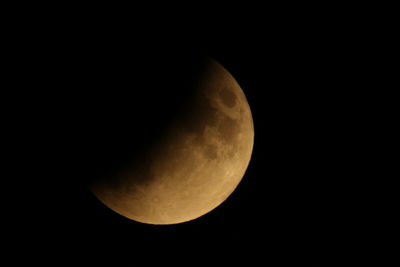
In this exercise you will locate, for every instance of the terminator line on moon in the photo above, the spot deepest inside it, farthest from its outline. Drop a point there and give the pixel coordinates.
(198, 163)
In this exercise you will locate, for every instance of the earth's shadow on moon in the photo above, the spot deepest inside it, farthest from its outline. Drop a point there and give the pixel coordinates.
(130, 114)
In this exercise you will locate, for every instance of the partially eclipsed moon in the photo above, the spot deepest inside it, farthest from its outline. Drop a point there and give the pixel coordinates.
(198, 163)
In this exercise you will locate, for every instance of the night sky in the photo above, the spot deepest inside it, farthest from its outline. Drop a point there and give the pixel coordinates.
(107, 91)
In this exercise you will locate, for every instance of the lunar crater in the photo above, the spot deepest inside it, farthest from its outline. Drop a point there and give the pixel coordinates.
(228, 129)
(228, 98)
(211, 152)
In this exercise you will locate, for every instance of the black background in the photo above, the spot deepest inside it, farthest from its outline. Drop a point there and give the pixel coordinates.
(101, 89)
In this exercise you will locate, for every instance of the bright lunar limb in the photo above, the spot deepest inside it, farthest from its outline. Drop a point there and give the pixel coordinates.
(196, 165)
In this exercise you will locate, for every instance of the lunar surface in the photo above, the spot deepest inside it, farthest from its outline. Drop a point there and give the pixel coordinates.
(197, 164)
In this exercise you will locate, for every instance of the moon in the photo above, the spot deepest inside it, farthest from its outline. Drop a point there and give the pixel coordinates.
(196, 165)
